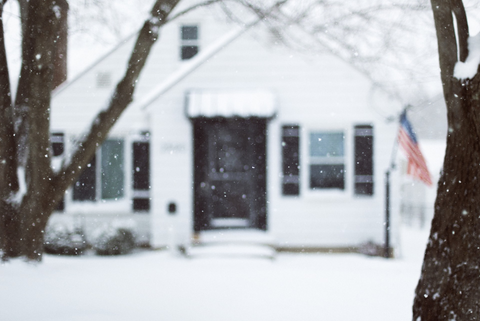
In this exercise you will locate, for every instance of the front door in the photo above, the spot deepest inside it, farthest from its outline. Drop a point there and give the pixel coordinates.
(230, 182)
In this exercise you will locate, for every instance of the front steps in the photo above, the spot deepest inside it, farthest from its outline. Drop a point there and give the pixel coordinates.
(238, 243)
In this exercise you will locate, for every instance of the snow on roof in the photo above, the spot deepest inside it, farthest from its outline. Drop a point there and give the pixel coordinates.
(229, 103)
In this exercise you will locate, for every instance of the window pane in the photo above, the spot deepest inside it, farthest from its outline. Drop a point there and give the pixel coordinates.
(188, 52)
(326, 144)
(84, 188)
(112, 169)
(327, 176)
(189, 32)
(57, 140)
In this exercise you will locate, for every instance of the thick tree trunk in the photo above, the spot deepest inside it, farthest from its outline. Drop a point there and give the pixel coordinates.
(449, 286)
(8, 166)
(42, 26)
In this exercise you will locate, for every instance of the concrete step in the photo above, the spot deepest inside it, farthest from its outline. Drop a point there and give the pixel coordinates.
(243, 236)
(231, 250)
(233, 243)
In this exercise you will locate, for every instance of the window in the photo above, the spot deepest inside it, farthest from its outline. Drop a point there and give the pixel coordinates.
(189, 42)
(327, 162)
(363, 160)
(290, 160)
(57, 140)
(103, 177)
(112, 169)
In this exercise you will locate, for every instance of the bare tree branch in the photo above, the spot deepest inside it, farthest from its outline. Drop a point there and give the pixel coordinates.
(121, 98)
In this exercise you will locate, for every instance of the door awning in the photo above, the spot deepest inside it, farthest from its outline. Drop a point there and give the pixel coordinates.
(230, 103)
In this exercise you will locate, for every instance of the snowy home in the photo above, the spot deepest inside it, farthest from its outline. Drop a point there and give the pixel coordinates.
(250, 136)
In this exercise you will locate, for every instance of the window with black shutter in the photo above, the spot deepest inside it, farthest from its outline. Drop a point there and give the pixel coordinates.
(189, 42)
(141, 176)
(58, 144)
(291, 160)
(327, 159)
(363, 160)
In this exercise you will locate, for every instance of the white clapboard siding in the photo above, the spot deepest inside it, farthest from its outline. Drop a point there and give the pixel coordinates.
(312, 91)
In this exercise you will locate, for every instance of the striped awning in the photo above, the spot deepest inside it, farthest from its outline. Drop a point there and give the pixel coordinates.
(230, 103)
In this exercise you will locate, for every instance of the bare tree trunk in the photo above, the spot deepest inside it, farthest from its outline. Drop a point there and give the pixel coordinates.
(42, 26)
(8, 166)
(449, 286)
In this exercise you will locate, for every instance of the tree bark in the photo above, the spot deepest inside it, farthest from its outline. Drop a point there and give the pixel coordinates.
(42, 26)
(449, 286)
(8, 166)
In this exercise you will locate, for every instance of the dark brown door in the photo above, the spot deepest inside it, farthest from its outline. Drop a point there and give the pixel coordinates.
(230, 173)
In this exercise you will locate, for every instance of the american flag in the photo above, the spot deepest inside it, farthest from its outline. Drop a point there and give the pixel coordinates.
(416, 163)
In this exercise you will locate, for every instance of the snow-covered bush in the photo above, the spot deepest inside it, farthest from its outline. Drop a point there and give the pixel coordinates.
(371, 249)
(64, 240)
(114, 239)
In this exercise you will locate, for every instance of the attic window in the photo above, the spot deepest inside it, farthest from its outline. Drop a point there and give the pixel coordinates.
(104, 79)
(189, 41)
(57, 141)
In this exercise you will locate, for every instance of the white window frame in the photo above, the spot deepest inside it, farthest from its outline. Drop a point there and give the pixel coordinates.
(114, 207)
(306, 160)
(192, 42)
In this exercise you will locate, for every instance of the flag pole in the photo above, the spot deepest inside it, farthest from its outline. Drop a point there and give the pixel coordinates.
(391, 167)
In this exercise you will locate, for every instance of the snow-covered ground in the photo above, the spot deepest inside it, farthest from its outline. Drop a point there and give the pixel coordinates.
(157, 285)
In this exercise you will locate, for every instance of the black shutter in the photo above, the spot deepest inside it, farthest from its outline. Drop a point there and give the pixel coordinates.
(363, 160)
(84, 188)
(141, 176)
(58, 147)
(57, 140)
(291, 160)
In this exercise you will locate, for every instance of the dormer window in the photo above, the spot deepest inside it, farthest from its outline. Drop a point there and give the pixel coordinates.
(189, 41)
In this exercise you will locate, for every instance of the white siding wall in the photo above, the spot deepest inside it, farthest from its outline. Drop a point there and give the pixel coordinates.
(315, 93)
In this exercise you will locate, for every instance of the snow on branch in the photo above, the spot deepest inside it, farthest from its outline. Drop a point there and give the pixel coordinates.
(469, 68)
